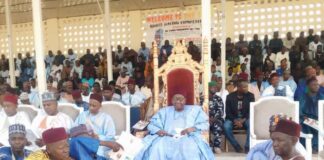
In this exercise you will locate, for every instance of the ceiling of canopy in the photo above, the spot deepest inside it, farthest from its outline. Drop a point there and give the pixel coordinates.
(21, 9)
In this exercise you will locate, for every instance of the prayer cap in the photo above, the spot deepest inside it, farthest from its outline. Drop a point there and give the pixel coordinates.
(109, 88)
(11, 98)
(288, 127)
(76, 94)
(212, 84)
(24, 96)
(54, 135)
(17, 128)
(131, 81)
(48, 96)
(79, 130)
(96, 97)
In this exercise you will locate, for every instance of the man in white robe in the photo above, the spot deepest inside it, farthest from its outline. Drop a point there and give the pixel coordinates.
(277, 90)
(9, 116)
(50, 117)
(134, 99)
(101, 123)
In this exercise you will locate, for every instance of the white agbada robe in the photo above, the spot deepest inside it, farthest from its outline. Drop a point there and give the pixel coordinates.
(5, 122)
(43, 122)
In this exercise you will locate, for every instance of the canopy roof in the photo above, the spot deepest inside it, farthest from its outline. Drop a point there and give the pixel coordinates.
(21, 9)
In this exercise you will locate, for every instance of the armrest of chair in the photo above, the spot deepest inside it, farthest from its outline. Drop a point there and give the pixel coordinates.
(308, 139)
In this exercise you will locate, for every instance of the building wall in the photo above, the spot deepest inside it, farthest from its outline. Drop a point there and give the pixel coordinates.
(128, 28)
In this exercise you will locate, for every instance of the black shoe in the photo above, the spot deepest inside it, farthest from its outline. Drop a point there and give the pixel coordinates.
(246, 150)
(238, 149)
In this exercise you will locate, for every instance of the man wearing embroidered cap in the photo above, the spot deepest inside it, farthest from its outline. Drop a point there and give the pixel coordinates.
(101, 123)
(50, 117)
(10, 116)
(17, 141)
(265, 150)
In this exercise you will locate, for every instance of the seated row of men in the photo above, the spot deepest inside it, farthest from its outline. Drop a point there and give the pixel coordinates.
(174, 133)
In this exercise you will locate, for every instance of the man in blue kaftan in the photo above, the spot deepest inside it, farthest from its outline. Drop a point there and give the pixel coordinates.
(175, 132)
(101, 123)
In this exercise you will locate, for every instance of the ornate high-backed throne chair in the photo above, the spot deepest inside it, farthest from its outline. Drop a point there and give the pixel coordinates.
(180, 75)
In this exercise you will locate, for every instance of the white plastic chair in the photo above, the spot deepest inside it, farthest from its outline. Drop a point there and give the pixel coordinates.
(30, 110)
(263, 109)
(70, 109)
(120, 113)
(320, 125)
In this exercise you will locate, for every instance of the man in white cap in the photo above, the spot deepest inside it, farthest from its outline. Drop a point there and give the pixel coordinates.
(50, 117)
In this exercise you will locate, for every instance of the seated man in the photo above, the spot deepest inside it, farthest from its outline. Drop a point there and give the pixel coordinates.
(9, 116)
(17, 141)
(101, 123)
(134, 99)
(175, 133)
(78, 101)
(277, 90)
(265, 150)
(57, 146)
(308, 104)
(284, 138)
(109, 95)
(50, 117)
(238, 114)
(80, 146)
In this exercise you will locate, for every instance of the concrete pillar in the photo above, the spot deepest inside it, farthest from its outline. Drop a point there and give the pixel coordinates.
(39, 45)
(10, 47)
(107, 42)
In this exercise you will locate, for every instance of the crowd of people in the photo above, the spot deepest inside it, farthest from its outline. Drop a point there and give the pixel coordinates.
(289, 67)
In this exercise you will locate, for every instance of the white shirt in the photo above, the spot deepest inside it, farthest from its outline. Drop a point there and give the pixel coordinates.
(288, 43)
(129, 67)
(54, 69)
(269, 91)
(43, 122)
(313, 48)
(133, 100)
(272, 57)
(77, 70)
(280, 57)
(4, 74)
(5, 122)
(72, 57)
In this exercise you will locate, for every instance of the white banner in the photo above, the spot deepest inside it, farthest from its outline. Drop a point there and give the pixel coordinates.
(174, 27)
